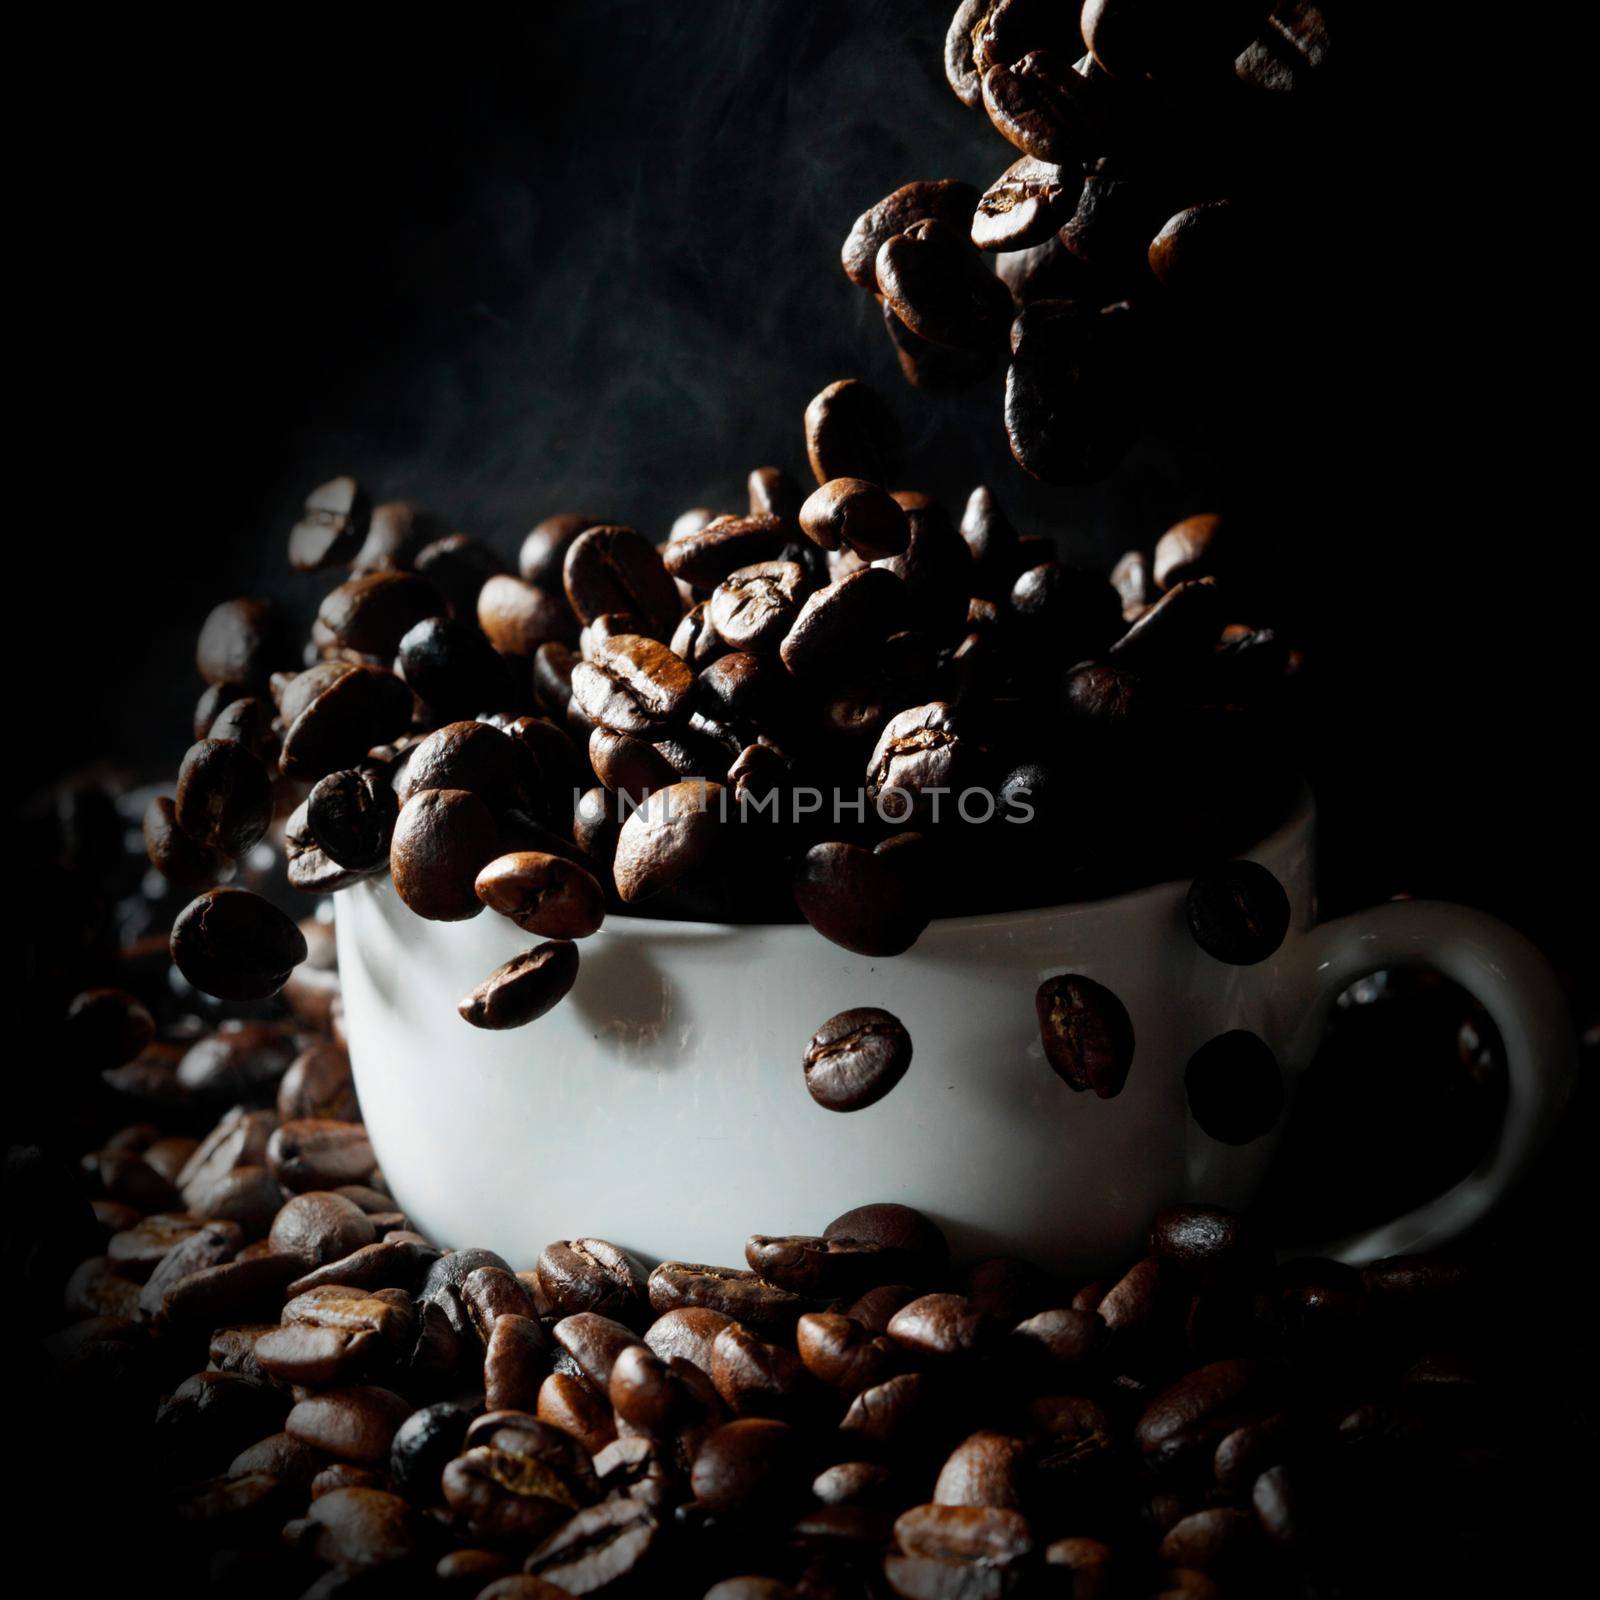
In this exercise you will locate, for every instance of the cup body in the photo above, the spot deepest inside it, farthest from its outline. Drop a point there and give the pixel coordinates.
(662, 1104)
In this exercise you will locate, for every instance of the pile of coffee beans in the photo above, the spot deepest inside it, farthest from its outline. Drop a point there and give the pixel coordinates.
(324, 1402)
(1158, 153)
(848, 707)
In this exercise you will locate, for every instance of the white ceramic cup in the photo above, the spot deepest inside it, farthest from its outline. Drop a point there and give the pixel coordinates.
(662, 1104)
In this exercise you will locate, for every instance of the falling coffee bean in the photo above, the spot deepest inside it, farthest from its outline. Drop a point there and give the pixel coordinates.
(543, 894)
(1238, 912)
(855, 1058)
(233, 944)
(524, 988)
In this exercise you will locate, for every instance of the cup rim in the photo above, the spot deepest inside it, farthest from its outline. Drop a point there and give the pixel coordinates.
(1297, 817)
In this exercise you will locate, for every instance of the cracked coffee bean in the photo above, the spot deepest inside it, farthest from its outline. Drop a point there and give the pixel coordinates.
(856, 1058)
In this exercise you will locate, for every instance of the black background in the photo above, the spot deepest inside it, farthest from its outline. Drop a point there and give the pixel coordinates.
(540, 258)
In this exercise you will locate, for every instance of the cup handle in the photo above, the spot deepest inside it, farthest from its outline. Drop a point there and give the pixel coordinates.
(1513, 983)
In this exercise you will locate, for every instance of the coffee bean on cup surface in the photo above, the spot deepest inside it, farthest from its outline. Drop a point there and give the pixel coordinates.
(633, 684)
(672, 833)
(947, 200)
(442, 840)
(853, 514)
(233, 944)
(1086, 1032)
(332, 525)
(543, 894)
(753, 607)
(941, 289)
(1025, 205)
(524, 988)
(855, 1058)
(850, 433)
(612, 568)
(1238, 912)
(1235, 1087)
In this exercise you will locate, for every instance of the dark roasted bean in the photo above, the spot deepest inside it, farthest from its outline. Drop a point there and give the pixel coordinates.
(861, 899)
(1086, 1032)
(1234, 1087)
(349, 714)
(633, 685)
(1237, 912)
(442, 840)
(235, 945)
(675, 1285)
(850, 513)
(672, 833)
(316, 1154)
(524, 988)
(851, 434)
(604, 1546)
(590, 1275)
(449, 664)
(1041, 105)
(332, 525)
(856, 1058)
(947, 200)
(542, 894)
(614, 569)
(941, 288)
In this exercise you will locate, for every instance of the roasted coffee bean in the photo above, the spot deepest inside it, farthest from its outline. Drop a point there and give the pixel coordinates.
(241, 1061)
(316, 1154)
(938, 368)
(840, 624)
(753, 607)
(476, 756)
(742, 1296)
(672, 833)
(524, 988)
(755, 1378)
(542, 894)
(1025, 205)
(856, 1058)
(942, 1327)
(1041, 105)
(442, 840)
(1204, 1241)
(209, 1244)
(141, 1244)
(1133, 580)
(1180, 630)
(332, 525)
(224, 799)
(239, 644)
(1288, 52)
(233, 944)
(172, 852)
(947, 200)
(941, 289)
(573, 1405)
(860, 899)
(614, 569)
(633, 685)
(921, 748)
(815, 1267)
(374, 612)
(248, 721)
(1207, 253)
(391, 1263)
(1065, 1337)
(650, 1392)
(1072, 389)
(348, 715)
(704, 558)
(745, 1463)
(688, 1334)
(1237, 912)
(351, 816)
(695, 640)
(321, 1227)
(318, 1084)
(965, 1530)
(449, 664)
(608, 1545)
(591, 1275)
(590, 1344)
(1086, 1033)
(357, 1424)
(458, 566)
(838, 1351)
(544, 551)
(851, 434)
(891, 1413)
(396, 532)
(232, 1291)
(517, 617)
(516, 1358)
(987, 1469)
(853, 514)
(916, 1247)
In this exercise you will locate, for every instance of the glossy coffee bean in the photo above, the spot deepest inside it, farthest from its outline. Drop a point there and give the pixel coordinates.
(524, 988)
(614, 569)
(239, 644)
(865, 901)
(675, 831)
(744, 1463)
(855, 1058)
(1025, 205)
(1041, 105)
(633, 685)
(351, 815)
(224, 799)
(542, 894)
(332, 525)
(722, 546)
(1180, 630)
(941, 289)
(742, 1296)
(850, 513)
(947, 200)
(850, 433)
(396, 532)
(233, 944)
(753, 607)
(812, 1266)
(920, 749)
(443, 838)
(517, 617)
(1086, 1032)
(448, 663)
(172, 852)
(1235, 1088)
(916, 1248)
(590, 1275)
(1237, 912)
(843, 622)
(458, 566)
(318, 1154)
(345, 716)
(373, 613)
(611, 1544)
